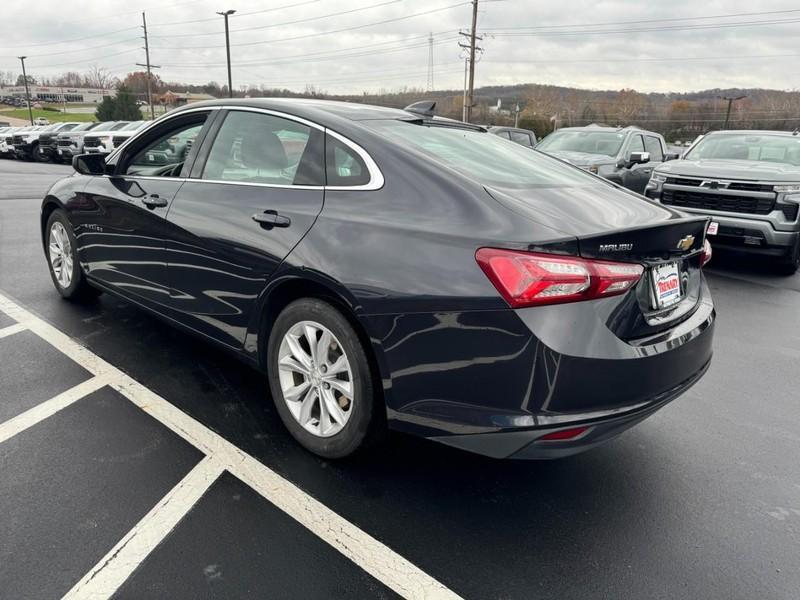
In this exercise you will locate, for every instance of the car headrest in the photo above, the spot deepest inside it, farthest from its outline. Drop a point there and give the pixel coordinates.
(263, 150)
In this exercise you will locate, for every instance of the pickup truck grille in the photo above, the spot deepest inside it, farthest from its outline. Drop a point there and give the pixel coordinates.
(46, 139)
(119, 139)
(91, 142)
(712, 201)
(64, 142)
(18, 139)
(743, 186)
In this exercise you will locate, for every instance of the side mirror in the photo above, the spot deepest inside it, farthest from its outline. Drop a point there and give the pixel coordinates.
(639, 158)
(89, 164)
(671, 156)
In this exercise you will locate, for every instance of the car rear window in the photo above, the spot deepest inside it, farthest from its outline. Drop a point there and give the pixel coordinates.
(482, 156)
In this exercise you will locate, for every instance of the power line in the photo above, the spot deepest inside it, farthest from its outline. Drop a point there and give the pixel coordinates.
(665, 28)
(641, 22)
(295, 22)
(244, 14)
(125, 41)
(331, 32)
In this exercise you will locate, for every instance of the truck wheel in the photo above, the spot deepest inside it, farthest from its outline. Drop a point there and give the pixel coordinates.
(790, 264)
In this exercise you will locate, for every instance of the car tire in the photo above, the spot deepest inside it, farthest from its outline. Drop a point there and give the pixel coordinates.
(62, 259)
(791, 264)
(311, 414)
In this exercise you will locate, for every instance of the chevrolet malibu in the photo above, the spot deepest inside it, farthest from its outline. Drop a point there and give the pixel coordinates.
(388, 268)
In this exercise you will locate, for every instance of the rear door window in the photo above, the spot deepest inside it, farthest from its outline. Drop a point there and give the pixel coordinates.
(253, 147)
(521, 138)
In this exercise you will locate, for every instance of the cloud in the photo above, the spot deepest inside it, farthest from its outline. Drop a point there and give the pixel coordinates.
(338, 47)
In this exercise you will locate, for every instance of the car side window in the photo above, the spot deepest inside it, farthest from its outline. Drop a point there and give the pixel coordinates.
(504, 134)
(653, 146)
(521, 138)
(254, 147)
(165, 155)
(343, 165)
(635, 145)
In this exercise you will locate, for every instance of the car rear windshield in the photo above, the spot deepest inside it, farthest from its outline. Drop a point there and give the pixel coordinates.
(741, 146)
(606, 143)
(482, 156)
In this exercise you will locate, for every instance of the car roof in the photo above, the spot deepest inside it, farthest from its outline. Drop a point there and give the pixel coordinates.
(753, 132)
(321, 111)
(605, 128)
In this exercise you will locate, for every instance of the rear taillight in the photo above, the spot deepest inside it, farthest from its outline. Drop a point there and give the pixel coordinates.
(705, 256)
(534, 279)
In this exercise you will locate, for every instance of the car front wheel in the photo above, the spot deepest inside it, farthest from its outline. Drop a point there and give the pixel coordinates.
(321, 381)
(62, 259)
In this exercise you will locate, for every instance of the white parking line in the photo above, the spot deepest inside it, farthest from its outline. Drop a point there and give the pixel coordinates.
(32, 416)
(12, 329)
(121, 561)
(375, 558)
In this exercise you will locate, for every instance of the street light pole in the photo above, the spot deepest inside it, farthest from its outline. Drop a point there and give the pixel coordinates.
(226, 14)
(27, 91)
(731, 100)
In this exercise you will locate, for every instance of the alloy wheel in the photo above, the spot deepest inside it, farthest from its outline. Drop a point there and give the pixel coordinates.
(316, 378)
(60, 252)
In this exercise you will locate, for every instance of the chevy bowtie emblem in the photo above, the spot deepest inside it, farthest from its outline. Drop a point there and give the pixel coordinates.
(686, 242)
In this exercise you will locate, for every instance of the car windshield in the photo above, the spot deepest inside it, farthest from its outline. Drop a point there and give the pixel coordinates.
(133, 126)
(606, 143)
(482, 156)
(84, 126)
(107, 126)
(742, 146)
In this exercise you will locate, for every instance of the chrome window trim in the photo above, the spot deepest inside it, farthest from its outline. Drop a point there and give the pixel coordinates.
(375, 182)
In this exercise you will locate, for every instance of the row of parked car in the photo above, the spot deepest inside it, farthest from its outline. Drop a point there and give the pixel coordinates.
(747, 182)
(59, 142)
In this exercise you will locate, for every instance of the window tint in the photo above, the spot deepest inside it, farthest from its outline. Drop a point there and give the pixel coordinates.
(636, 144)
(343, 165)
(481, 156)
(521, 138)
(259, 148)
(590, 142)
(653, 146)
(166, 154)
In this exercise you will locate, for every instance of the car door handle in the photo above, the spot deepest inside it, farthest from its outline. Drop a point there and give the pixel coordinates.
(271, 218)
(154, 201)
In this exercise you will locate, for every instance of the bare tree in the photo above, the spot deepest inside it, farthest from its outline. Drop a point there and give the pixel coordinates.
(99, 77)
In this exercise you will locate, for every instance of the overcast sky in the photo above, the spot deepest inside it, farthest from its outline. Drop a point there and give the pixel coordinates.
(368, 45)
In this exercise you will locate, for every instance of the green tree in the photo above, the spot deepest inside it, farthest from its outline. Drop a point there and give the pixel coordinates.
(121, 108)
(105, 111)
(126, 108)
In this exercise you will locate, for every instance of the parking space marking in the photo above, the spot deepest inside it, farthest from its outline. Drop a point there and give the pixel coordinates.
(32, 416)
(123, 559)
(374, 557)
(12, 329)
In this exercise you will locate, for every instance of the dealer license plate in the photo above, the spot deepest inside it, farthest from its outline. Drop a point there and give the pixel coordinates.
(713, 228)
(666, 284)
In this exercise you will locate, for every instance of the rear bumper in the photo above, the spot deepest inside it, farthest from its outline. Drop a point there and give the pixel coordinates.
(602, 427)
(498, 395)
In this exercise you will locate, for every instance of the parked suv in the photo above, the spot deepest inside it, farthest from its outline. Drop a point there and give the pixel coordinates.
(26, 143)
(48, 141)
(71, 143)
(523, 137)
(101, 140)
(748, 182)
(625, 156)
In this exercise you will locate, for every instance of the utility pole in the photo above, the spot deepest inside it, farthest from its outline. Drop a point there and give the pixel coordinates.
(464, 102)
(226, 14)
(731, 100)
(149, 67)
(516, 115)
(473, 49)
(430, 62)
(27, 91)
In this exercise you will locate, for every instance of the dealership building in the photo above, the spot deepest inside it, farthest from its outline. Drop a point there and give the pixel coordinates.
(43, 93)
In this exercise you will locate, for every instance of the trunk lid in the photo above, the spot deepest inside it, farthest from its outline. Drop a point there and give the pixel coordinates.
(617, 225)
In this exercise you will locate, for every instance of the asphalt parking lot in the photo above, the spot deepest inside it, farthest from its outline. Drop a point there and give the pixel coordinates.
(139, 462)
